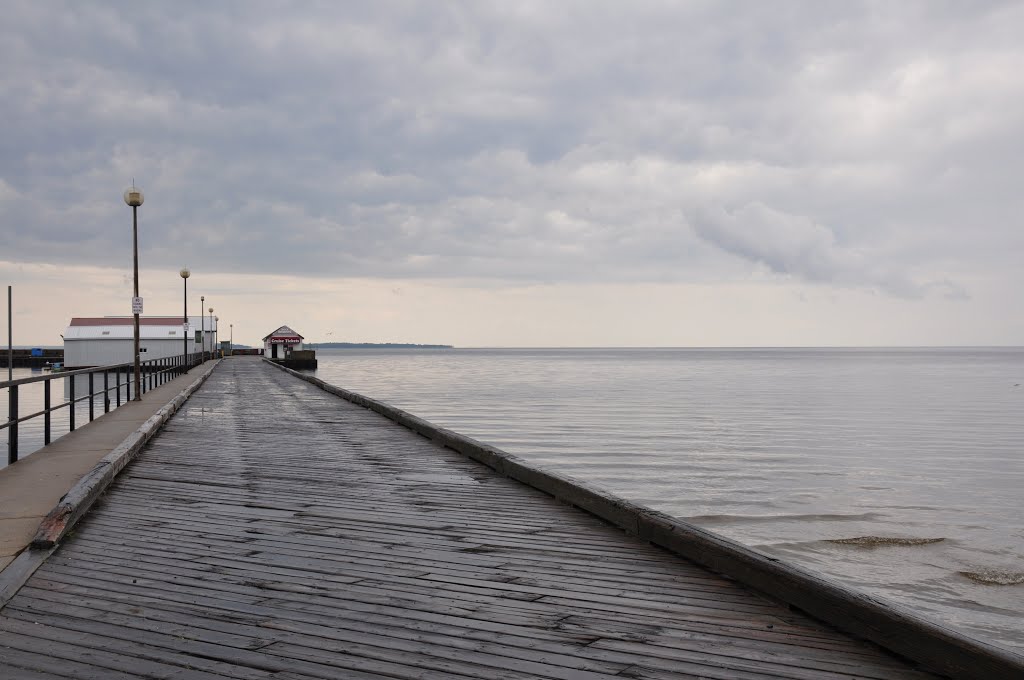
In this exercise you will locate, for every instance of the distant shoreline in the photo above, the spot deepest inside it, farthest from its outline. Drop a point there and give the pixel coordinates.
(374, 345)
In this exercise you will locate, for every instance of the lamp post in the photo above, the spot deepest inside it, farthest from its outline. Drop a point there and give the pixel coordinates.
(133, 197)
(185, 273)
(213, 337)
(202, 324)
(231, 340)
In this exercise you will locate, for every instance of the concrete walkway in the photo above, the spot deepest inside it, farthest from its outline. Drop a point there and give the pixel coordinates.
(30, 488)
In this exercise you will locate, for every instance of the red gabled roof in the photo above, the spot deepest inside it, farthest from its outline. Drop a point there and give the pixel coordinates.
(126, 321)
(284, 332)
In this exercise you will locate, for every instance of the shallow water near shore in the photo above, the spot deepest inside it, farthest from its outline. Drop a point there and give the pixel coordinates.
(895, 471)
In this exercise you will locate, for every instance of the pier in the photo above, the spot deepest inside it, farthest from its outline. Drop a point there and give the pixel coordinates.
(28, 358)
(273, 529)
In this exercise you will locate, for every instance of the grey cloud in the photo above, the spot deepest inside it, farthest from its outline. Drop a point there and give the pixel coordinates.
(798, 246)
(854, 144)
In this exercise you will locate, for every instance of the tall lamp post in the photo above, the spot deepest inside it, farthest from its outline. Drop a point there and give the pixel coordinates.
(231, 340)
(213, 337)
(202, 323)
(185, 273)
(133, 197)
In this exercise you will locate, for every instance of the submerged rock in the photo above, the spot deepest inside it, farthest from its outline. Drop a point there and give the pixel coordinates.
(875, 541)
(994, 577)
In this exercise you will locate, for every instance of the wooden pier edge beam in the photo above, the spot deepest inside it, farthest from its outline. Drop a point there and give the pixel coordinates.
(889, 625)
(77, 501)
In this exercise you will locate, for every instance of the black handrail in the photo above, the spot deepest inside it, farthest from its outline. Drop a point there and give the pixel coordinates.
(155, 372)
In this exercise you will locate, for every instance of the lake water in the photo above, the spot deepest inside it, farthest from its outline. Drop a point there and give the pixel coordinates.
(896, 471)
(31, 400)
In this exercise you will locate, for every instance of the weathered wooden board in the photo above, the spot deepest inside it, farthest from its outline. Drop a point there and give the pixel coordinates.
(272, 530)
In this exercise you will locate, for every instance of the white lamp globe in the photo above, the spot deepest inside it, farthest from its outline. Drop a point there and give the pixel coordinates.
(133, 196)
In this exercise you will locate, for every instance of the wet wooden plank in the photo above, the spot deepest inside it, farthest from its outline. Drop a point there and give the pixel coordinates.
(330, 542)
(16, 662)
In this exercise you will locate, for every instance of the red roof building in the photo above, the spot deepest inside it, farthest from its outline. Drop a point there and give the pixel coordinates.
(281, 343)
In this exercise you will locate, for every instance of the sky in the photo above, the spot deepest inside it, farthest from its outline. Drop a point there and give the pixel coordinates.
(539, 174)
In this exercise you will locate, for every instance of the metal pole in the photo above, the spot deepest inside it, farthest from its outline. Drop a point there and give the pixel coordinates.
(46, 417)
(184, 346)
(12, 392)
(202, 322)
(135, 253)
(10, 347)
(12, 431)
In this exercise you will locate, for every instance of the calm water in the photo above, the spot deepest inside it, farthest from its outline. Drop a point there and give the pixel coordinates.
(784, 450)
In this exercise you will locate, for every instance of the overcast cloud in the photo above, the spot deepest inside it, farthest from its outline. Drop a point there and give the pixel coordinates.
(850, 147)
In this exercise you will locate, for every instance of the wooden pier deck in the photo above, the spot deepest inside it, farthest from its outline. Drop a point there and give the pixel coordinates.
(273, 530)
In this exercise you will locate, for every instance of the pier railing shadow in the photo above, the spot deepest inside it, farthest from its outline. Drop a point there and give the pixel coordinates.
(101, 386)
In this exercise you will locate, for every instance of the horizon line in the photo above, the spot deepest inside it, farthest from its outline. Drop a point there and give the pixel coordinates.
(441, 345)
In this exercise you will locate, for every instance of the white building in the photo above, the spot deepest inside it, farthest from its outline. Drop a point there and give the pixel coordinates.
(280, 343)
(102, 341)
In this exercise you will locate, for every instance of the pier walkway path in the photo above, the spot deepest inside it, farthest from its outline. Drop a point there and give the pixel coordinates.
(274, 530)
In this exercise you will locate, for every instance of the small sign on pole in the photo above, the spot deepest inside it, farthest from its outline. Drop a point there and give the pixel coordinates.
(186, 327)
(136, 305)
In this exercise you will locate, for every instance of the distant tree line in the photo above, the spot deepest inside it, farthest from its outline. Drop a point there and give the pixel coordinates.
(371, 345)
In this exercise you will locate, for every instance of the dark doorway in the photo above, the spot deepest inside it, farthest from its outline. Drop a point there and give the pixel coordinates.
(273, 351)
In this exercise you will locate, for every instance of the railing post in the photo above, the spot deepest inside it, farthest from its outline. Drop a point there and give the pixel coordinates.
(117, 384)
(12, 431)
(71, 405)
(91, 398)
(46, 416)
(106, 392)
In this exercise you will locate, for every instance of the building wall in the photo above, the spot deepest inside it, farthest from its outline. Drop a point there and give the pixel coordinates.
(96, 352)
(210, 341)
(282, 348)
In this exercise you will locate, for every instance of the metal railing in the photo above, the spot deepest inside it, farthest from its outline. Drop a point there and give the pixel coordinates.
(153, 373)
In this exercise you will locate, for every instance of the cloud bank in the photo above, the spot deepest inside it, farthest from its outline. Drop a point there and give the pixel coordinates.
(863, 145)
